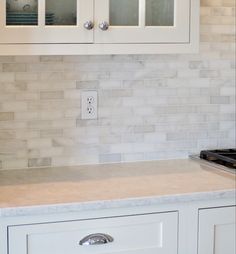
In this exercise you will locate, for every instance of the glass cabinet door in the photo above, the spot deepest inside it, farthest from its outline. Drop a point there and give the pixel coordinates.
(142, 21)
(46, 21)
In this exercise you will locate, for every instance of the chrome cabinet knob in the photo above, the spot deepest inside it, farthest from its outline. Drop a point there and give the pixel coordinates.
(88, 25)
(96, 239)
(104, 26)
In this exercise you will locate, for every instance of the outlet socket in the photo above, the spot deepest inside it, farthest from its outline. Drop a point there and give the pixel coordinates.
(89, 105)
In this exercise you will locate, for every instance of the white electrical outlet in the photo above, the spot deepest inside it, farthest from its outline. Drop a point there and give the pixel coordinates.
(89, 105)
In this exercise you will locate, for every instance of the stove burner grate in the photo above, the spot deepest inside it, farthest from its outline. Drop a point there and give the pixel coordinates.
(226, 157)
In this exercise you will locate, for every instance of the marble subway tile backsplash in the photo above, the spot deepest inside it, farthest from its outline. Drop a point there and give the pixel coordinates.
(150, 106)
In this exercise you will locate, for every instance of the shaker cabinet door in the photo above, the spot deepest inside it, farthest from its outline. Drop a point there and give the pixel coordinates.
(217, 228)
(142, 21)
(45, 21)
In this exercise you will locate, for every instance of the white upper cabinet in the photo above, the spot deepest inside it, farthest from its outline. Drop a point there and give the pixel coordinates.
(38, 27)
(143, 21)
(45, 21)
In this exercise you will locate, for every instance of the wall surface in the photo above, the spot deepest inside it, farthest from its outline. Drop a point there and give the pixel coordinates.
(150, 107)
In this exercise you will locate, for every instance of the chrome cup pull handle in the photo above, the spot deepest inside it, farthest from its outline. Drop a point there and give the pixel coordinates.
(104, 26)
(88, 25)
(96, 239)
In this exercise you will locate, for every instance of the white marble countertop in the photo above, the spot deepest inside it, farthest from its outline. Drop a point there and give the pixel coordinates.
(48, 190)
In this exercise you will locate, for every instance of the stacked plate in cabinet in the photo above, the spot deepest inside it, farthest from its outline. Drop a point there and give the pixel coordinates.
(27, 18)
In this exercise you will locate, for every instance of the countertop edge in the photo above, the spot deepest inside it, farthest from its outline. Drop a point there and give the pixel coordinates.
(116, 203)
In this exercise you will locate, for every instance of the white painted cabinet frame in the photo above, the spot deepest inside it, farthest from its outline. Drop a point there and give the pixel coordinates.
(182, 37)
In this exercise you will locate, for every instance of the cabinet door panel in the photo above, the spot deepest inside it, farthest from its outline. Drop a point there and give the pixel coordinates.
(64, 12)
(21, 13)
(141, 234)
(45, 21)
(160, 12)
(217, 231)
(124, 13)
(143, 21)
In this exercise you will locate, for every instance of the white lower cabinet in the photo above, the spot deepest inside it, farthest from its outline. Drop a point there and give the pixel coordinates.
(192, 228)
(138, 234)
(217, 228)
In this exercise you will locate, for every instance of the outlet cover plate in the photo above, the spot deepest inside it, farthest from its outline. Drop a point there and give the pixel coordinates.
(89, 105)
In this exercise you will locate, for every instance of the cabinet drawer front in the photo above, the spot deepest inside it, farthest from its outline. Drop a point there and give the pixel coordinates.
(139, 234)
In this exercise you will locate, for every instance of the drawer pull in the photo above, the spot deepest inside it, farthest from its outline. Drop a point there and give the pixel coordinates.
(96, 239)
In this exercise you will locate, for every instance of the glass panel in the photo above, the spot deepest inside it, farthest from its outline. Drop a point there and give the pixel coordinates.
(61, 12)
(124, 12)
(22, 12)
(159, 12)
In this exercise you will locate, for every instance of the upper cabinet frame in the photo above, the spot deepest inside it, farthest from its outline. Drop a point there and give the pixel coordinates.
(138, 38)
